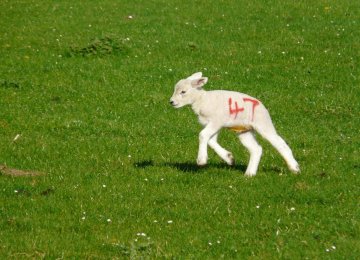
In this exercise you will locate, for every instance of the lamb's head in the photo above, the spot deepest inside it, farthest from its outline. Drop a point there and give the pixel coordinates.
(187, 90)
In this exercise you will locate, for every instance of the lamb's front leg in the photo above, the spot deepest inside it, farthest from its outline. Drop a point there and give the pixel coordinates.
(223, 153)
(205, 135)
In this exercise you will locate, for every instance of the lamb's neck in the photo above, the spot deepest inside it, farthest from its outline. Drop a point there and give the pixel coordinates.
(198, 101)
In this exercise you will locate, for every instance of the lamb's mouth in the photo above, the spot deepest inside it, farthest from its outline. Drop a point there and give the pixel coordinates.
(174, 104)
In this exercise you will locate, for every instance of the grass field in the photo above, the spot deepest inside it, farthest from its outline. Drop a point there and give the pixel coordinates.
(84, 91)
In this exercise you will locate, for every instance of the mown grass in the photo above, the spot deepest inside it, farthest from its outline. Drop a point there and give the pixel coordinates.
(120, 176)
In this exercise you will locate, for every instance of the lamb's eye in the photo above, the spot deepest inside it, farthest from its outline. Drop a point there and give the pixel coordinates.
(183, 92)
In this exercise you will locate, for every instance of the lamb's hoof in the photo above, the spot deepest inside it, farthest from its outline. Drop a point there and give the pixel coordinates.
(250, 174)
(201, 162)
(295, 169)
(230, 159)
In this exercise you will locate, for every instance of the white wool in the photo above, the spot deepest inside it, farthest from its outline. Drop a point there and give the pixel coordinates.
(229, 109)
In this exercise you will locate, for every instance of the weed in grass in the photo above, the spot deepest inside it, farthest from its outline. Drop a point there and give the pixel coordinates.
(139, 248)
(99, 47)
(9, 84)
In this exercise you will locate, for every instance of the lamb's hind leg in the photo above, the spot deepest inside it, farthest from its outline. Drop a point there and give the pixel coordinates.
(255, 150)
(267, 130)
(224, 154)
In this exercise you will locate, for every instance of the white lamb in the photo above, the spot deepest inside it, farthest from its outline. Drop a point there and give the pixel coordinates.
(236, 111)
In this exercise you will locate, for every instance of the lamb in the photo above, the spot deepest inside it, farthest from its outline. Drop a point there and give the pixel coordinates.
(236, 111)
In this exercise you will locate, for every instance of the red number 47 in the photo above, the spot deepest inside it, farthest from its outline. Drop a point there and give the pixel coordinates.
(236, 110)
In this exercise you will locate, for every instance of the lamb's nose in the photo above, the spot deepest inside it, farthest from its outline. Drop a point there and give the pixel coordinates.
(171, 102)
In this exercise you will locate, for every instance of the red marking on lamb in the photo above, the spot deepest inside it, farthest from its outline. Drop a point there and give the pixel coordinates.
(236, 110)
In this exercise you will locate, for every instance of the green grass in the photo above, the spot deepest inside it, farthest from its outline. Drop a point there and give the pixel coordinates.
(87, 89)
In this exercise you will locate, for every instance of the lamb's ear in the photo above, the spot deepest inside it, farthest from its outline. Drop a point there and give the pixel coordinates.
(198, 83)
(196, 75)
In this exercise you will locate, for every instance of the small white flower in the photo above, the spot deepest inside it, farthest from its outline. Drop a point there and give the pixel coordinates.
(170, 222)
(16, 137)
(16, 191)
(333, 247)
(218, 241)
(130, 17)
(292, 209)
(257, 206)
(104, 186)
(155, 221)
(108, 220)
(83, 218)
(210, 244)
